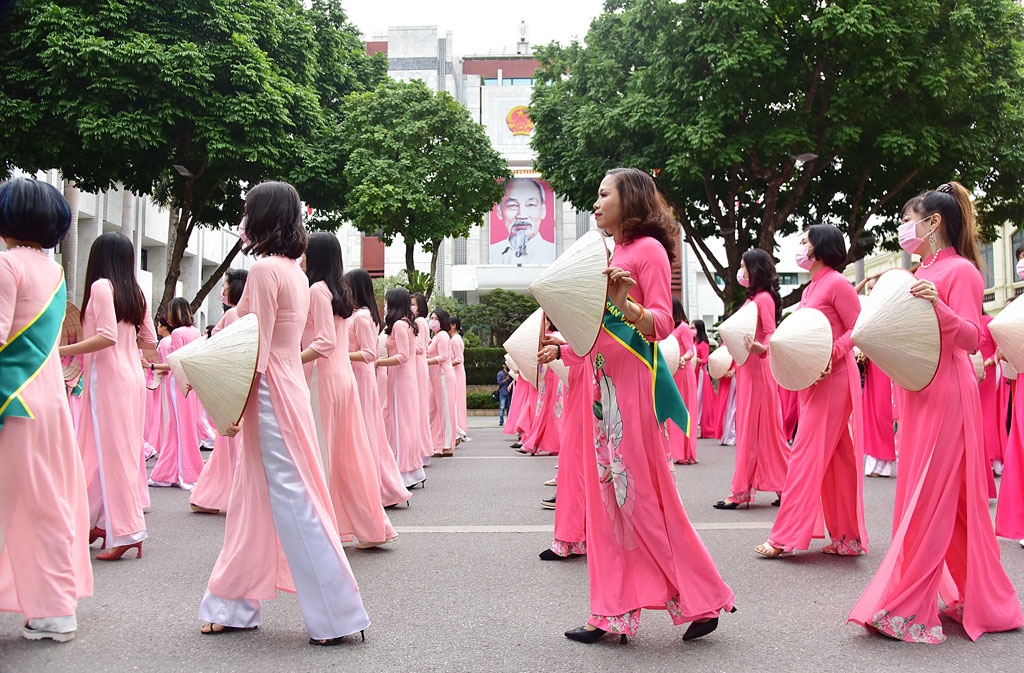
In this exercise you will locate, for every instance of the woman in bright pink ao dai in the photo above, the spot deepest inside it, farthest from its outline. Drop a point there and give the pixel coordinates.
(943, 545)
(180, 462)
(1010, 511)
(279, 499)
(442, 385)
(761, 448)
(642, 550)
(402, 418)
(363, 345)
(577, 440)
(543, 436)
(528, 411)
(214, 486)
(353, 478)
(988, 390)
(727, 406)
(110, 429)
(44, 510)
(707, 400)
(684, 448)
(824, 465)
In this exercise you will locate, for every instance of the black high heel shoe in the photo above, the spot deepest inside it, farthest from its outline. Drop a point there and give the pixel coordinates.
(723, 504)
(701, 629)
(585, 635)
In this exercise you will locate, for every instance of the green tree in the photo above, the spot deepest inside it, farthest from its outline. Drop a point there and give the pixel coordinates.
(497, 315)
(190, 102)
(419, 167)
(758, 118)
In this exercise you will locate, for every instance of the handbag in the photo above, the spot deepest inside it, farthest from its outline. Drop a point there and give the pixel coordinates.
(496, 395)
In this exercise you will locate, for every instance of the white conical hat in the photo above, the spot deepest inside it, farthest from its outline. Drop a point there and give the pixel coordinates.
(382, 345)
(719, 362)
(513, 368)
(560, 370)
(1009, 371)
(573, 290)
(174, 361)
(524, 344)
(899, 332)
(670, 350)
(222, 370)
(732, 331)
(800, 349)
(1008, 331)
(978, 362)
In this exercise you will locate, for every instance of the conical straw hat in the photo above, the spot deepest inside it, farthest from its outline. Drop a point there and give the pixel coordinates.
(513, 369)
(522, 345)
(978, 362)
(1008, 331)
(670, 350)
(732, 331)
(174, 361)
(719, 362)
(222, 370)
(573, 290)
(560, 370)
(1009, 371)
(800, 349)
(899, 332)
(71, 333)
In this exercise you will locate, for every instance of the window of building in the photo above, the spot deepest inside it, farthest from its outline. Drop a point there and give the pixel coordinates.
(582, 223)
(519, 81)
(460, 296)
(144, 256)
(789, 279)
(490, 81)
(459, 252)
(439, 278)
(1015, 241)
(986, 266)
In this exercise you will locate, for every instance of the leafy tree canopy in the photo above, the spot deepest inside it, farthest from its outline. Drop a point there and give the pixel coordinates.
(419, 167)
(497, 315)
(233, 92)
(758, 118)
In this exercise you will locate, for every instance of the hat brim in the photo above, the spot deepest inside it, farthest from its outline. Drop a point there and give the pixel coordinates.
(524, 344)
(740, 324)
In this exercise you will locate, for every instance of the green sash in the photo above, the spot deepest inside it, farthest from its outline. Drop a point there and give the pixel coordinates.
(23, 356)
(667, 401)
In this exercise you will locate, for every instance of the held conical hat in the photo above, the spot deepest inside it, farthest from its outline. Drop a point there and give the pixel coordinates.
(513, 368)
(719, 362)
(573, 290)
(800, 349)
(670, 350)
(732, 331)
(522, 345)
(1009, 371)
(560, 370)
(978, 362)
(899, 332)
(71, 333)
(174, 362)
(222, 370)
(1008, 331)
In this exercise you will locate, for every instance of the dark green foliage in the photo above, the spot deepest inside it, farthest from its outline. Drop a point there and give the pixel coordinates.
(482, 365)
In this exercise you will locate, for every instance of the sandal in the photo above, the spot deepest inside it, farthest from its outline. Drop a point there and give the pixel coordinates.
(209, 630)
(331, 642)
(768, 550)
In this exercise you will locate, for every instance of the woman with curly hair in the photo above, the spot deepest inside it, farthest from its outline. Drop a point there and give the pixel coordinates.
(642, 550)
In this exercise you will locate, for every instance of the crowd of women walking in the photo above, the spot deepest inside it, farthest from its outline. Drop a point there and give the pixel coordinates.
(348, 407)
(335, 429)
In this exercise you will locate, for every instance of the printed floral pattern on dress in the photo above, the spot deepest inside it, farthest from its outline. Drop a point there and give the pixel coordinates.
(616, 482)
(564, 549)
(955, 611)
(559, 400)
(540, 396)
(905, 628)
(844, 547)
(628, 623)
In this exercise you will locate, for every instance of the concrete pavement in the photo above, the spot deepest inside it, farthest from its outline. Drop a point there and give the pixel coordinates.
(462, 590)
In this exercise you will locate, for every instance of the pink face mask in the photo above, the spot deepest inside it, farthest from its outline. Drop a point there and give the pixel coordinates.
(241, 233)
(434, 325)
(223, 299)
(908, 236)
(802, 260)
(741, 277)
(415, 310)
(1020, 269)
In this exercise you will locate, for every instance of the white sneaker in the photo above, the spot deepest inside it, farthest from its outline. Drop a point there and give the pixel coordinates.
(46, 629)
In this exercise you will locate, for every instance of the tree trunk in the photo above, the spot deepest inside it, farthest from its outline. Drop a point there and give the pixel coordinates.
(211, 282)
(177, 241)
(433, 267)
(69, 246)
(410, 265)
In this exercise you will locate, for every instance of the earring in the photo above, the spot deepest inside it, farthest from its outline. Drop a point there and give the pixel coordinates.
(932, 241)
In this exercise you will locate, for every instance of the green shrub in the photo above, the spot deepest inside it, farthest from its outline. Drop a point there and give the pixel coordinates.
(482, 365)
(480, 401)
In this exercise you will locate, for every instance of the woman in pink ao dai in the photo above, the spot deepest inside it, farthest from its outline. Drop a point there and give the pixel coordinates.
(442, 385)
(44, 511)
(943, 545)
(281, 532)
(402, 417)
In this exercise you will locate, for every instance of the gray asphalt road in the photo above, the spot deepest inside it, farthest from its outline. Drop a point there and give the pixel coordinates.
(462, 590)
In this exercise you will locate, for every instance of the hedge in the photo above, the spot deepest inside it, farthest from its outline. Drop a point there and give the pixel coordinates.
(480, 401)
(482, 366)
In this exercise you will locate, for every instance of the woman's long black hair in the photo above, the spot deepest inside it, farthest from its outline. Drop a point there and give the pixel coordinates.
(361, 286)
(399, 307)
(323, 263)
(112, 256)
(702, 332)
(762, 276)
